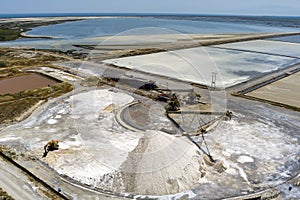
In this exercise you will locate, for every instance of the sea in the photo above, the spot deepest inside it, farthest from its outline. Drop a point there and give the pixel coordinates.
(113, 24)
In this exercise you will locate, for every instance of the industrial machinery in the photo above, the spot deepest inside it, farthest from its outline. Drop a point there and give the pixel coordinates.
(50, 146)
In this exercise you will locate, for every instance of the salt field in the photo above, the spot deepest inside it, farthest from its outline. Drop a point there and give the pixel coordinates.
(197, 65)
(267, 46)
(293, 39)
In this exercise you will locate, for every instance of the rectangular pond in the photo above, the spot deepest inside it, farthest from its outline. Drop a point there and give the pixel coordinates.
(293, 39)
(197, 65)
(288, 49)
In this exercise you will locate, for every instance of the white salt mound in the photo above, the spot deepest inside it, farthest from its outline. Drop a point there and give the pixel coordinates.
(245, 159)
(52, 121)
(162, 164)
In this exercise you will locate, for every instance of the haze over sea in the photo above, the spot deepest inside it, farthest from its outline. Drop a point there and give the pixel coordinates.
(112, 26)
(186, 24)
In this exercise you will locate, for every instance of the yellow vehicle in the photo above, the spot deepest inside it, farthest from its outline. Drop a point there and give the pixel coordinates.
(50, 146)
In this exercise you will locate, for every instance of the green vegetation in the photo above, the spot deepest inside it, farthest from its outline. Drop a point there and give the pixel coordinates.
(10, 57)
(14, 62)
(12, 30)
(8, 152)
(144, 51)
(13, 105)
(7, 34)
(91, 81)
(4, 195)
(2, 64)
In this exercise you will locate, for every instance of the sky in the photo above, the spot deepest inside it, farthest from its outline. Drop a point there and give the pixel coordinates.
(230, 7)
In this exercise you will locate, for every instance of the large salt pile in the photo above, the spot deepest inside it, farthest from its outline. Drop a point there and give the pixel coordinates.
(102, 154)
(162, 164)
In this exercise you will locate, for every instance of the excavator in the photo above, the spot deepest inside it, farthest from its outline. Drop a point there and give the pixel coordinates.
(50, 146)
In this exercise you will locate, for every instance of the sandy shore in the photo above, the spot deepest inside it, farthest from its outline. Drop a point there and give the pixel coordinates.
(23, 34)
(48, 19)
(173, 41)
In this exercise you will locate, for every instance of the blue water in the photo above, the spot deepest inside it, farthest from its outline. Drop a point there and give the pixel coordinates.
(113, 26)
(292, 39)
(78, 32)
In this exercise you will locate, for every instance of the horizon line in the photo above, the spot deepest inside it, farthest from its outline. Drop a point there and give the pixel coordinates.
(149, 14)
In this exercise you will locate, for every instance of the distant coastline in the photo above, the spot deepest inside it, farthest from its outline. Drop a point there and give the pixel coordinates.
(264, 20)
(13, 27)
(32, 15)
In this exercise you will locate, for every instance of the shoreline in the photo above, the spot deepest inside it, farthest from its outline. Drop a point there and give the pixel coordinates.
(49, 19)
(24, 24)
(12, 29)
(24, 35)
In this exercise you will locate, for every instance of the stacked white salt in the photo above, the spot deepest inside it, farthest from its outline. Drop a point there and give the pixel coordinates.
(162, 164)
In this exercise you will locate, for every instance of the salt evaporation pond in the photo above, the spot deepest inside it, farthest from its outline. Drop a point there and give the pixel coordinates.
(197, 64)
(266, 46)
(293, 39)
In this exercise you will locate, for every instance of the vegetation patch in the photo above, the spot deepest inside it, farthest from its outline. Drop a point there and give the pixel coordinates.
(13, 105)
(4, 195)
(12, 30)
(14, 62)
(10, 57)
(91, 81)
(8, 152)
(2, 64)
(7, 35)
(137, 52)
